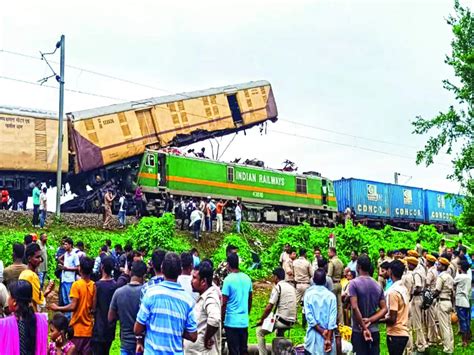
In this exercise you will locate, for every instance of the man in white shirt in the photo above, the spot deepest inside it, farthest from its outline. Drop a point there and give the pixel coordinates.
(196, 219)
(122, 211)
(207, 312)
(462, 282)
(69, 268)
(238, 216)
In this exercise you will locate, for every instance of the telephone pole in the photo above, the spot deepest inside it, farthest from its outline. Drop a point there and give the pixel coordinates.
(61, 44)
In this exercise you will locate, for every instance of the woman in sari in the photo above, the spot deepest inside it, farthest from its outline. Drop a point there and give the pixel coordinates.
(24, 332)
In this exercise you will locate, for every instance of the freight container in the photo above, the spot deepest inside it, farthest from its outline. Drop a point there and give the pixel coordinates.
(439, 208)
(406, 203)
(370, 199)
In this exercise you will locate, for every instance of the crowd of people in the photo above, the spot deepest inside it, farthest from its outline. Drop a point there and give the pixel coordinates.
(178, 304)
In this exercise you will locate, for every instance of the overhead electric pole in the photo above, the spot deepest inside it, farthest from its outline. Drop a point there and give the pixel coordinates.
(61, 44)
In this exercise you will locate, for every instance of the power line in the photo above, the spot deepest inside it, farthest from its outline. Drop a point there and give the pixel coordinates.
(53, 87)
(350, 146)
(346, 134)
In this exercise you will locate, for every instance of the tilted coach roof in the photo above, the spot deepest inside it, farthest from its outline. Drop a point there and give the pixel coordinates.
(141, 104)
(30, 112)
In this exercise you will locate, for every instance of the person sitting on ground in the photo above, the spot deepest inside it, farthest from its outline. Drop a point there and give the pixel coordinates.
(61, 335)
(283, 302)
(24, 332)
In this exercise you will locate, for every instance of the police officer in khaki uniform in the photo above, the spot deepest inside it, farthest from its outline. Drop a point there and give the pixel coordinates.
(444, 292)
(336, 272)
(303, 275)
(416, 319)
(431, 313)
(288, 267)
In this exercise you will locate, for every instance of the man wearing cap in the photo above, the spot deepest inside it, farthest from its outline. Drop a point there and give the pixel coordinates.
(444, 292)
(431, 317)
(416, 323)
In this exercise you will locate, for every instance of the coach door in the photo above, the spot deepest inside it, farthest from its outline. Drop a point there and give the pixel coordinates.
(235, 110)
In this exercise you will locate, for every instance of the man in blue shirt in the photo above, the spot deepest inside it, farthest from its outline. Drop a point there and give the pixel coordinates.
(36, 203)
(156, 260)
(166, 313)
(320, 307)
(236, 306)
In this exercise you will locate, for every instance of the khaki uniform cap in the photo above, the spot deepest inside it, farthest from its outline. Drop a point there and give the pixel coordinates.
(413, 253)
(444, 261)
(430, 258)
(411, 260)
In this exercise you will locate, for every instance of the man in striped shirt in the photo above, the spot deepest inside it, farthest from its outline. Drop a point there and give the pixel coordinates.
(166, 314)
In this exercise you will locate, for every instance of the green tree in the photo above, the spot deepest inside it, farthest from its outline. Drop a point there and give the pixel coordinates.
(452, 131)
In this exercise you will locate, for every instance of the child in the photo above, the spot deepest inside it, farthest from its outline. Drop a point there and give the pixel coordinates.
(61, 334)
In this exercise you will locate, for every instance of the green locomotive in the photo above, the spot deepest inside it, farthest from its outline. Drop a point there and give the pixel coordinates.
(268, 195)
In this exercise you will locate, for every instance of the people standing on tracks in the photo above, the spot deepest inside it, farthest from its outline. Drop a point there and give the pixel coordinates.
(220, 216)
(444, 293)
(320, 307)
(208, 214)
(4, 197)
(108, 199)
(43, 268)
(43, 207)
(236, 306)
(36, 192)
(195, 222)
(138, 198)
(462, 283)
(398, 304)
(207, 312)
(169, 203)
(283, 303)
(368, 306)
(347, 214)
(122, 214)
(336, 273)
(238, 216)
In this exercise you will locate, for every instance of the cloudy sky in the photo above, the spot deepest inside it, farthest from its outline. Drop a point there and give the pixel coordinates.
(348, 76)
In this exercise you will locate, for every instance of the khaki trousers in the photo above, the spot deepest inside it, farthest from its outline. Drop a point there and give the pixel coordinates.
(261, 333)
(416, 324)
(220, 223)
(337, 290)
(300, 290)
(431, 326)
(445, 328)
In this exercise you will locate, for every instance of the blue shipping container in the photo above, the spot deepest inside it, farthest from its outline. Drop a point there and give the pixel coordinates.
(439, 208)
(407, 203)
(369, 198)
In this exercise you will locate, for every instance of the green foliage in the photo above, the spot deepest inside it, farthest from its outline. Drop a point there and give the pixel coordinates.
(453, 130)
(151, 233)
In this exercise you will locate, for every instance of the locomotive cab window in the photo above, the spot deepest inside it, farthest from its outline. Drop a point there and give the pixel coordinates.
(230, 174)
(301, 185)
(150, 160)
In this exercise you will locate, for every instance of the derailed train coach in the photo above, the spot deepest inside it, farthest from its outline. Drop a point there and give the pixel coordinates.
(29, 147)
(106, 143)
(106, 135)
(377, 204)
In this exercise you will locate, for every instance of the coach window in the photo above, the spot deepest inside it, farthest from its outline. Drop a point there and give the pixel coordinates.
(150, 160)
(300, 185)
(230, 174)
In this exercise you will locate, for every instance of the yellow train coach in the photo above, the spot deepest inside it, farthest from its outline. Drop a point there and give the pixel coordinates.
(105, 135)
(29, 140)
